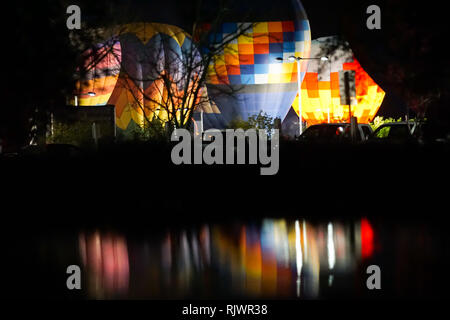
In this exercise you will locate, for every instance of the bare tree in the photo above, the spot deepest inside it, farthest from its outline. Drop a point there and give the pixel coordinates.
(173, 85)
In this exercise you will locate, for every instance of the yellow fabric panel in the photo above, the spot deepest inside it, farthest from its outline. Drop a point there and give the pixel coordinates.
(145, 31)
(261, 27)
(231, 48)
(275, 78)
(285, 77)
(137, 115)
(245, 39)
(288, 68)
(315, 109)
(325, 99)
(93, 101)
(103, 87)
(123, 121)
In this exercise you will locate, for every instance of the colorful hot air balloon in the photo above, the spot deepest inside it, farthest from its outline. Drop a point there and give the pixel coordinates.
(146, 54)
(248, 66)
(102, 68)
(321, 98)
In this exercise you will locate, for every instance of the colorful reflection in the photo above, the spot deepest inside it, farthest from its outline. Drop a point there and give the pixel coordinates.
(272, 258)
(366, 239)
(105, 259)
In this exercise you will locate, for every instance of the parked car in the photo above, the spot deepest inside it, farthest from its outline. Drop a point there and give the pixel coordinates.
(397, 133)
(63, 150)
(326, 133)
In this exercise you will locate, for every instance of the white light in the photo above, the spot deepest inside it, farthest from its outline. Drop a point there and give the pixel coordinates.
(330, 245)
(261, 78)
(275, 68)
(292, 58)
(324, 58)
(298, 249)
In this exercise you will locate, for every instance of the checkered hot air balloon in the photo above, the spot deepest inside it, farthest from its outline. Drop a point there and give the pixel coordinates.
(322, 94)
(248, 68)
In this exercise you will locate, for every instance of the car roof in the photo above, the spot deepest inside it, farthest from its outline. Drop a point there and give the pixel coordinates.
(336, 124)
(398, 123)
(331, 124)
(394, 124)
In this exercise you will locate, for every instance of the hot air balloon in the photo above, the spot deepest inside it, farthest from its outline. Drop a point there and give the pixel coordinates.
(322, 96)
(248, 65)
(101, 67)
(143, 73)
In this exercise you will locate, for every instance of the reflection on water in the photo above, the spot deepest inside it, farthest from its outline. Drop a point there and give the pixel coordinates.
(273, 258)
(105, 258)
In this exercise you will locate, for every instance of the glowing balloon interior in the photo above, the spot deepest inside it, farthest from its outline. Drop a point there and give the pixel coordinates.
(320, 91)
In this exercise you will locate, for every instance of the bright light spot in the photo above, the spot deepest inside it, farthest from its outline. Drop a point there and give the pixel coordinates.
(275, 68)
(298, 249)
(330, 245)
